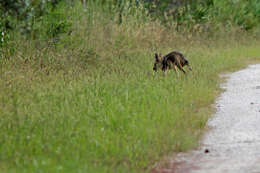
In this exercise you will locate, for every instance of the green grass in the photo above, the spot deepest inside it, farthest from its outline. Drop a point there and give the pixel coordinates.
(93, 104)
(121, 122)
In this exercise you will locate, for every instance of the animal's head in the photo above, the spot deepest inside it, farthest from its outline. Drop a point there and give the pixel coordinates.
(157, 61)
(186, 62)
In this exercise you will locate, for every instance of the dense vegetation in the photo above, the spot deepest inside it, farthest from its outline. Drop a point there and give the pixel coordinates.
(46, 19)
(77, 90)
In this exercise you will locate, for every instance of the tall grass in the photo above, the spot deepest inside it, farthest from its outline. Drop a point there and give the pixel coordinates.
(90, 102)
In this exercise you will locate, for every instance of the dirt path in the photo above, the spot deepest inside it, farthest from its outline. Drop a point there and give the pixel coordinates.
(232, 145)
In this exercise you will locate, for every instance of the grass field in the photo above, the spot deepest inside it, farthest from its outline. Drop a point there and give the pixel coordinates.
(93, 104)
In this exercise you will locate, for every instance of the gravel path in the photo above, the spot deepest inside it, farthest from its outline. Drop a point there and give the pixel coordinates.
(232, 145)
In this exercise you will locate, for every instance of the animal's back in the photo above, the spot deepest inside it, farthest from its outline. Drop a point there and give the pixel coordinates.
(174, 56)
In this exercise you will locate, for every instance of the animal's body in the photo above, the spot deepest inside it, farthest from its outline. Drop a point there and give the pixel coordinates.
(171, 60)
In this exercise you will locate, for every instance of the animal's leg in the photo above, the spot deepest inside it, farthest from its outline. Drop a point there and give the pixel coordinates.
(164, 71)
(180, 67)
(174, 67)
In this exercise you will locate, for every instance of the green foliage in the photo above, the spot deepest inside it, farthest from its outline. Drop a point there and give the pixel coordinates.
(243, 13)
(4, 36)
(33, 15)
(56, 24)
(28, 14)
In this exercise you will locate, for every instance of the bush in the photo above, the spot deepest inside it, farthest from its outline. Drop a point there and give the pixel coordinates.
(4, 36)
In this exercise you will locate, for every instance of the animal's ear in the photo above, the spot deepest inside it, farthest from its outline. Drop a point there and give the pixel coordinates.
(156, 56)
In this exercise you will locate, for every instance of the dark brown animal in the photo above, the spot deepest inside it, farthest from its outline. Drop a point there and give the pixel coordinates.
(172, 60)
